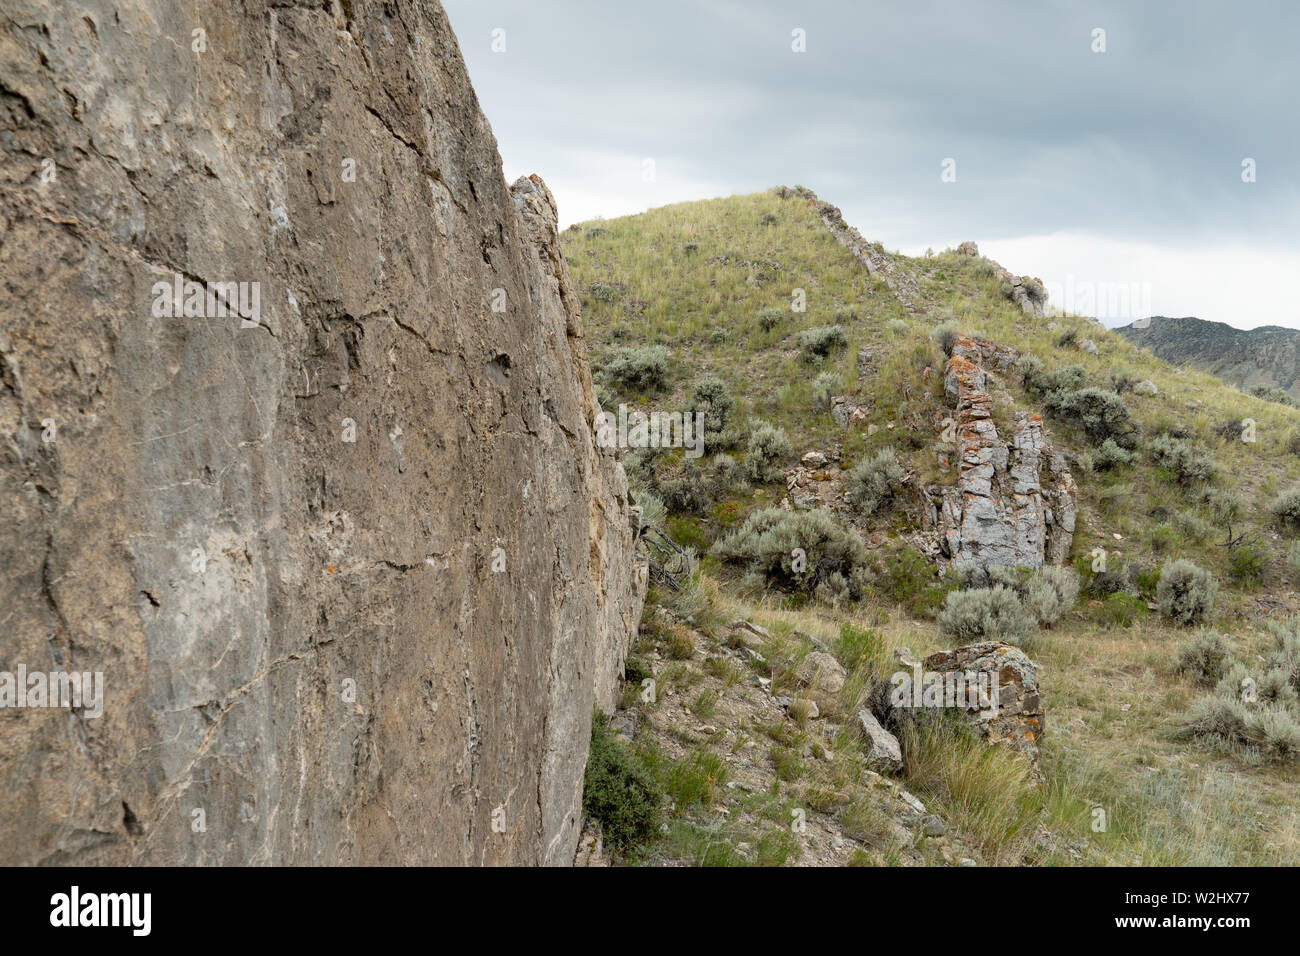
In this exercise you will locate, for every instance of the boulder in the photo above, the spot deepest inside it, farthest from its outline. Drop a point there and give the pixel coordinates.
(1017, 719)
(351, 562)
(883, 752)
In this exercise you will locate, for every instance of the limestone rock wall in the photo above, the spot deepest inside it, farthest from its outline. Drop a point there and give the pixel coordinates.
(352, 568)
(1014, 502)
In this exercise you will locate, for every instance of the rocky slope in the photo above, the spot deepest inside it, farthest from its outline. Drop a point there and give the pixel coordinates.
(1268, 356)
(350, 562)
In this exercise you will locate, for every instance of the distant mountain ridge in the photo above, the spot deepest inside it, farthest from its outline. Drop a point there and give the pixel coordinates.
(1265, 356)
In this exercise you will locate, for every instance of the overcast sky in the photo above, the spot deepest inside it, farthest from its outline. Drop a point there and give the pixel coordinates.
(1100, 172)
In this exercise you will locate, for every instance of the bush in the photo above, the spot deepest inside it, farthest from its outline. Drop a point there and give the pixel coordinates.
(643, 368)
(816, 345)
(990, 614)
(767, 541)
(618, 790)
(768, 219)
(1111, 455)
(1286, 508)
(1188, 464)
(1205, 658)
(1046, 593)
(1050, 593)
(1101, 414)
(712, 398)
(945, 336)
(1270, 394)
(824, 389)
(770, 318)
(1246, 563)
(767, 446)
(873, 481)
(1186, 593)
(603, 291)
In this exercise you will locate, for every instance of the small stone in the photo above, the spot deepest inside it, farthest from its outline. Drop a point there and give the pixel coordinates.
(933, 826)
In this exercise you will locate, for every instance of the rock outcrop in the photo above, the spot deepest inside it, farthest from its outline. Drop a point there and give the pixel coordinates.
(349, 561)
(1014, 503)
(1017, 719)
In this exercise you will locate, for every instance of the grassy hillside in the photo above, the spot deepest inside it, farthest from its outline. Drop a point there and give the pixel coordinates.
(1256, 359)
(679, 297)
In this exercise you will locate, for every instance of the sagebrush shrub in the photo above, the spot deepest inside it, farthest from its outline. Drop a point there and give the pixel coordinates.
(1189, 465)
(1186, 593)
(818, 344)
(638, 368)
(799, 550)
(712, 398)
(770, 318)
(945, 336)
(984, 614)
(1101, 414)
(1286, 508)
(873, 481)
(1050, 593)
(1110, 455)
(1205, 658)
(824, 388)
(768, 445)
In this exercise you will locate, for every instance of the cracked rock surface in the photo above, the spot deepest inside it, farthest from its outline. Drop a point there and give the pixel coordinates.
(314, 649)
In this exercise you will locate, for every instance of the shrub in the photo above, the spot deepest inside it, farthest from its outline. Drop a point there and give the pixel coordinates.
(712, 398)
(770, 318)
(873, 481)
(1101, 414)
(767, 446)
(767, 541)
(1033, 372)
(1186, 593)
(1067, 338)
(768, 219)
(992, 614)
(1188, 464)
(690, 248)
(945, 336)
(618, 790)
(643, 368)
(824, 389)
(1050, 593)
(1286, 508)
(1193, 526)
(603, 291)
(1111, 455)
(816, 345)
(1205, 658)
(1246, 563)
(1271, 394)
(907, 577)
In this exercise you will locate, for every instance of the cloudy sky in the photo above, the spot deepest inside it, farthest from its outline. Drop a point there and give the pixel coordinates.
(1116, 175)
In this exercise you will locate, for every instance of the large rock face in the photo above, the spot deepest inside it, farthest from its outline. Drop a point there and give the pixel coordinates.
(354, 570)
(1014, 503)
